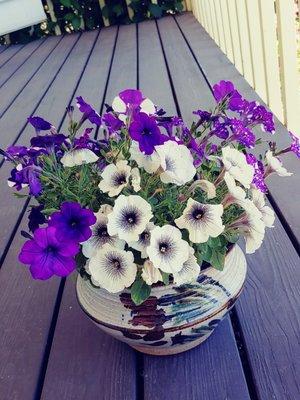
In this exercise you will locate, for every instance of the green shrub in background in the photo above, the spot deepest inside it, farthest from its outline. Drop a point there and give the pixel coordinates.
(66, 16)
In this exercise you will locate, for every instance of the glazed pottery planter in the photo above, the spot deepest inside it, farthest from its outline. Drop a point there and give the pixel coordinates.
(174, 318)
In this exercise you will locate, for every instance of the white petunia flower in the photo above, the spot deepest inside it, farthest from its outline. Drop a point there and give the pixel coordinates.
(235, 193)
(106, 209)
(177, 163)
(114, 178)
(167, 250)
(275, 165)
(150, 163)
(190, 270)
(143, 241)
(78, 157)
(100, 237)
(113, 269)
(268, 216)
(201, 221)
(236, 165)
(136, 179)
(150, 274)
(129, 218)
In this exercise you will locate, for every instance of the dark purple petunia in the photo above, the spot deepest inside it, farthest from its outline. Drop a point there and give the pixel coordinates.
(226, 89)
(17, 151)
(88, 112)
(131, 97)
(258, 178)
(220, 129)
(112, 123)
(254, 113)
(48, 140)
(295, 145)
(25, 175)
(145, 131)
(241, 133)
(73, 222)
(36, 218)
(48, 256)
(39, 123)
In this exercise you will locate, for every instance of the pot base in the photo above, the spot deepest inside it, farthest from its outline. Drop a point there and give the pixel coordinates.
(168, 351)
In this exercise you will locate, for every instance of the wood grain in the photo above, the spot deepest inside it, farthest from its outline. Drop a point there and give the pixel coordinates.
(9, 53)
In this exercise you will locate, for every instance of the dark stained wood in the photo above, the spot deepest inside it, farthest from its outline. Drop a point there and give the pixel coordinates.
(26, 308)
(216, 67)
(211, 371)
(20, 58)
(9, 53)
(91, 364)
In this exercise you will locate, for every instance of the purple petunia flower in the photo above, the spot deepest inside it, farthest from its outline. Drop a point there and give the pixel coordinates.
(226, 89)
(88, 112)
(220, 129)
(39, 123)
(254, 113)
(48, 140)
(25, 175)
(131, 97)
(48, 256)
(17, 151)
(73, 222)
(145, 131)
(258, 178)
(241, 133)
(36, 217)
(112, 123)
(204, 116)
(295, 145)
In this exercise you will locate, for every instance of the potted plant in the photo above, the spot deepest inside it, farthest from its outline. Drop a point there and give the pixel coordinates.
(149, 212)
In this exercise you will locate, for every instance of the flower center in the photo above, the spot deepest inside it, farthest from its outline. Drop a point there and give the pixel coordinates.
(73, 222)
(131, 218)
(120, 179)
(163, 247)
(116, 263)
(102, 231)
(146, 131)
(198, 214)
(51, 249)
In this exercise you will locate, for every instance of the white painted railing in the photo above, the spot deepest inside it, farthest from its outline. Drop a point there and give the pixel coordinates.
(260, 38)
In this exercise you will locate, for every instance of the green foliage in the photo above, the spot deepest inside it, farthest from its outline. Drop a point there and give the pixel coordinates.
(140, 291)
(74, 15)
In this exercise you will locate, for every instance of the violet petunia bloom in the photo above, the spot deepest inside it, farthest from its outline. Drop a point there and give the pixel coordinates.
(23, 176)
(112, 123)
(226, 89)
(220, 129)
(254, 113)
(48, 140)
(241, 133)
(48, 256)
(258, 177)
(131, 97)
(36, 217)
(73, 222)
(39, 123)
(295, 145)
(145, 131)
(17, 151)
(88, 112)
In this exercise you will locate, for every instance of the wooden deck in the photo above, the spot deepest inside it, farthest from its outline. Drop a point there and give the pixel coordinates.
(48, 348)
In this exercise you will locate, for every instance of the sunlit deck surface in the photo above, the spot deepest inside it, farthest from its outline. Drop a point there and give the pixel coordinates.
(48, 347)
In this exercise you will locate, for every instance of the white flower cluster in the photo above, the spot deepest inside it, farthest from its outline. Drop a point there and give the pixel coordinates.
(127, 227)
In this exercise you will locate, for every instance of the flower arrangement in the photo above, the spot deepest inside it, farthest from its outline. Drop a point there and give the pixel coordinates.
(145, 200)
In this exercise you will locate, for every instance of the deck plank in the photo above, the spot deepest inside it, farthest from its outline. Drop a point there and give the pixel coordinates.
(273, 274)
(25, 338)
(205, 371)
(83, 363)
(17, 62)
(9, 53)
(216, 67)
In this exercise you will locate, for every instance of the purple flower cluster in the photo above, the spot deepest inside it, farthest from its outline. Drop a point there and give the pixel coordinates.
(224, 91)
(52, 249)
(258, 178)
(88, 112)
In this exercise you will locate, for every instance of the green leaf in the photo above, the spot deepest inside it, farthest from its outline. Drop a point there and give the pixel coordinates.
(66, 3)
(140, 291)
(69, 16)
(232, 237)
(76, 22)
(217, 259)
(49, 211)
(155, 10)
(166, 278)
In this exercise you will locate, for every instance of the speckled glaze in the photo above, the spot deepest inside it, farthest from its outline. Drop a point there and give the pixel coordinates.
(174, 318)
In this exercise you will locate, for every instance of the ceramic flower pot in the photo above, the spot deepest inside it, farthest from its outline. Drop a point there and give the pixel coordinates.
(174, 318)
